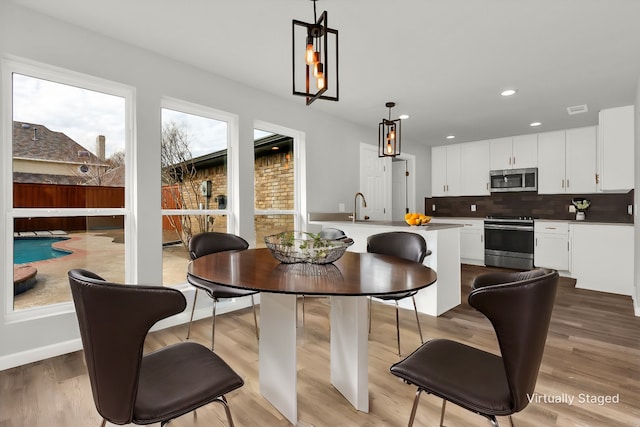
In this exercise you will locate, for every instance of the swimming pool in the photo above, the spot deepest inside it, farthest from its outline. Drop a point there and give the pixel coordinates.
(36, 249)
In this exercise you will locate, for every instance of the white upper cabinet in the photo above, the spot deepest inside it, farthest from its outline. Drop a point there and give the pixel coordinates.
(474, 165)
(615, 148)
(445, 170)
(581, 164)
(567, 161)
(551, 162)
(515, 152)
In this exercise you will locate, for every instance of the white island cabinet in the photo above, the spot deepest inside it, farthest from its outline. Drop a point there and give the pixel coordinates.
(443, 240)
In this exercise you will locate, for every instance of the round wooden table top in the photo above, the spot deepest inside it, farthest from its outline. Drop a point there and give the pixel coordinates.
(353, 274)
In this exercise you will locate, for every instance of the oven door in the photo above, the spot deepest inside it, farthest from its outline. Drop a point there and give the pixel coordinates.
(509, 245)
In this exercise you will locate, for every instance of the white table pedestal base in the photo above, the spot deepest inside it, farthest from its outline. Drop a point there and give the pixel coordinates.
(277, 353)
(349, 345)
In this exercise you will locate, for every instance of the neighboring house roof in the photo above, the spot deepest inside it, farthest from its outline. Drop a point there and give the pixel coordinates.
(36, 142)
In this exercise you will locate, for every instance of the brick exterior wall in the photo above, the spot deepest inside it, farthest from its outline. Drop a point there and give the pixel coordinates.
(274, 189)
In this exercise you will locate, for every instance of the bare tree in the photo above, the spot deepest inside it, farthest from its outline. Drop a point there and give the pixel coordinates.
(180, 185)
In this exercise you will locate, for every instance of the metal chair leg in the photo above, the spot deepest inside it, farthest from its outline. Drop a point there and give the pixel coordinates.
(415, 308)
(255, 318)
(213, 323)
(493, 420)
(510, 420)
(193, 309)
(398, 327)
(415, 407)
(444, 405)
(103, 423)
(223, 401)
(370, 299)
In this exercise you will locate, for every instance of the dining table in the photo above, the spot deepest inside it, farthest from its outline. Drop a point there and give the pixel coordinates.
(348, 282)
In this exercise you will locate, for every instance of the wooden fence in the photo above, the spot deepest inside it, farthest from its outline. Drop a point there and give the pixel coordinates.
(55, 196)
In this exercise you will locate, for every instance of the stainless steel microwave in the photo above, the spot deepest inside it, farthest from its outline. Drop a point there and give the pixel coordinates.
(514, 180)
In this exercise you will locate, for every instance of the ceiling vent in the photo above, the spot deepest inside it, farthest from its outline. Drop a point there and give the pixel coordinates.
(577, 109)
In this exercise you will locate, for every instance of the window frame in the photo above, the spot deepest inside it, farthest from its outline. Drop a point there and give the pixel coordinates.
(299, 175)
(232, 121)
(59, 75)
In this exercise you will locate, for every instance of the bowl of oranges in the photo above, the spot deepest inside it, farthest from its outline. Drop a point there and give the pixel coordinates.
(414, 218)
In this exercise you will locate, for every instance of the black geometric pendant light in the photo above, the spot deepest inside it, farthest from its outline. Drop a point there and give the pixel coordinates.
(315, 59)
(389, 135)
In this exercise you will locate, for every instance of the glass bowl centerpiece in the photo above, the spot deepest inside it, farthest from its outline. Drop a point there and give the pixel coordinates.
(292, 247)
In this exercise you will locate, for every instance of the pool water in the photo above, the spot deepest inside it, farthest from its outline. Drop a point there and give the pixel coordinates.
(36, 249)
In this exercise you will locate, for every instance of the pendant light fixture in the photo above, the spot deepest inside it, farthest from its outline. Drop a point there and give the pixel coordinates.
(317, 70)
(389, 135)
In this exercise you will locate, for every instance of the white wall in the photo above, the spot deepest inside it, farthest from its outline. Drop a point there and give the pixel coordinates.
(636, 195)
(332, 147)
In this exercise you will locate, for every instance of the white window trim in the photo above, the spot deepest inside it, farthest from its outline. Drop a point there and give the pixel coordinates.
(13, 64)
(232, 136)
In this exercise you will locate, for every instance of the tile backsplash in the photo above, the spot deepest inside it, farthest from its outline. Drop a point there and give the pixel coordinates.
(605, 207)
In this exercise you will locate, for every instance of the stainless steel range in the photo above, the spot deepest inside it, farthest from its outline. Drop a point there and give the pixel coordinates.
(508, 242)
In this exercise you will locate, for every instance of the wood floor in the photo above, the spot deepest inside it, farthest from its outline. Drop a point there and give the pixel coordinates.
(593, 349)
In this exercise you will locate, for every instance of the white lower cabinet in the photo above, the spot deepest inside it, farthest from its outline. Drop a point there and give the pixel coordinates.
(551, 245)
(603, 257)
(471, 239)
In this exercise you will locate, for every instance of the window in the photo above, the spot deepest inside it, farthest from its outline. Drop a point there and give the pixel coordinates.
(276, 206)
(68, 193)
(195, 189)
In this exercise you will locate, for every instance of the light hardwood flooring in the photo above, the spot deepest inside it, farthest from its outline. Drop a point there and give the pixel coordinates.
(593, 348)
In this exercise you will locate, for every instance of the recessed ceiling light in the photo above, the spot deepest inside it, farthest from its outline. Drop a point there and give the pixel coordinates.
(535, 124)
(403, 116)
(508, 92)
(275, 148)
(450, 136)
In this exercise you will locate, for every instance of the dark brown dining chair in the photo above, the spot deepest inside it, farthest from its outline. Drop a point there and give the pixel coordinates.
(208, 243)
(519, 306)
(402, 244)
(127, 386)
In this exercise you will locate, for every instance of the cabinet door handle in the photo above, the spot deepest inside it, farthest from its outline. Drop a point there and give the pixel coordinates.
(487, 185)
(536, 241)
(568, 183)
(550, 228)
(514, 160)
(563, 183)
(597, 179)
(481, 238)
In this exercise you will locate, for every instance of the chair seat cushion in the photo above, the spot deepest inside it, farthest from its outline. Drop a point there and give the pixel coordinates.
(178, 379)
(218, 291)
(466, 376)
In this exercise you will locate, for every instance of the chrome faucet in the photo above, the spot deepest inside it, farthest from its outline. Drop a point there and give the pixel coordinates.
(355, 205)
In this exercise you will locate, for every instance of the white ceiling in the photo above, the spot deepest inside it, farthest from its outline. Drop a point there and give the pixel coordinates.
(444, 62)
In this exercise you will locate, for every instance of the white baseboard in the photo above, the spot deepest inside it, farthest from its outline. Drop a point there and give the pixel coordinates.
(45, 352)
(40, 353)
(636, 306)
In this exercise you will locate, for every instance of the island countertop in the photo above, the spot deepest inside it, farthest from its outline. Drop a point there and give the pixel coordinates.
(396, 224)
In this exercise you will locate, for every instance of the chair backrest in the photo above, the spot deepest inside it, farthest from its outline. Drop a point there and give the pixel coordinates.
(335, 234)
(519, 306)
(401, 244)
(114, 320)
(213, 241)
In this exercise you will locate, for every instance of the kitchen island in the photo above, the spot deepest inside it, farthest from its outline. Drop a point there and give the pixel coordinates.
(443, 240)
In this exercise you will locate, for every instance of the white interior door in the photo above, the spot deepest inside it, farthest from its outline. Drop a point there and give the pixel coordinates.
(375, 184)
(399, 189)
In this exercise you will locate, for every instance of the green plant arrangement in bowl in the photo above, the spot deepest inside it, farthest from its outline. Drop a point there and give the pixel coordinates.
(581, 206)
(292, 247)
